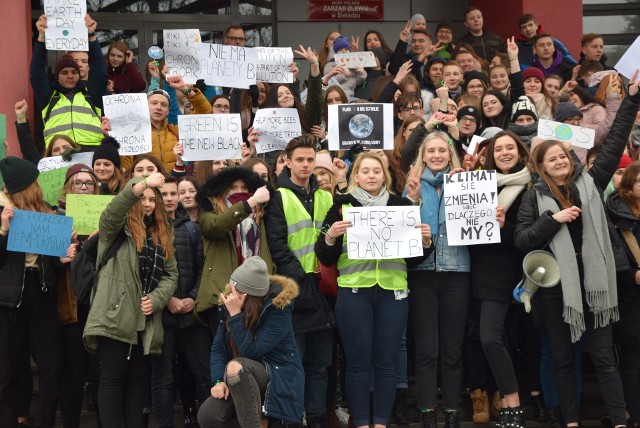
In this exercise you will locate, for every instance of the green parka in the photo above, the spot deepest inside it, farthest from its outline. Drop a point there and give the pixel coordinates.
(115, 311)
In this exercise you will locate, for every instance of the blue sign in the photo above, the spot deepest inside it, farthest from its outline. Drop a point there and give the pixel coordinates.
(38, 233)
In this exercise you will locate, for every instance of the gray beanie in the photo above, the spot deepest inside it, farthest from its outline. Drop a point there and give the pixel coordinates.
(566, 110)
(251, 277)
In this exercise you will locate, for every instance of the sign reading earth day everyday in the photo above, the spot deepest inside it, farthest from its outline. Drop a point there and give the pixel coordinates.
(579, 136)
(370, 125)
(66, 30)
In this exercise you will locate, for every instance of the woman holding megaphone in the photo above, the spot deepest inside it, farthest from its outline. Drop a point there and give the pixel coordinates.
(563, 212)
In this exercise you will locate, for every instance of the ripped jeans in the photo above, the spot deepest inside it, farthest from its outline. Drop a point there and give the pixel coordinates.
(243, 408)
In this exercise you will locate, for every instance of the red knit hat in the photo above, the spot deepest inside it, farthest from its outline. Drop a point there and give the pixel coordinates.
(533, 72)
(625, 161)
(65, 63)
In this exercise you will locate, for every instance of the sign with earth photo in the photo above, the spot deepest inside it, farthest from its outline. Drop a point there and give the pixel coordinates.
(370, 125)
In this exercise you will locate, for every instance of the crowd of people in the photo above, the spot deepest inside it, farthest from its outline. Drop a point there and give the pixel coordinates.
(226, 285)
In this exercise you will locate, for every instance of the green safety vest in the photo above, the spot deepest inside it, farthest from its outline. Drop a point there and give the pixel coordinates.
(78, 119)
(390, 274)
(302, 230)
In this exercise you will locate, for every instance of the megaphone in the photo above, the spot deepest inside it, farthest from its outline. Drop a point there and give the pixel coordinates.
(540, 269)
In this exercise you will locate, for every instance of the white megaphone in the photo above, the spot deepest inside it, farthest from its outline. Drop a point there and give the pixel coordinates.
(540, 269)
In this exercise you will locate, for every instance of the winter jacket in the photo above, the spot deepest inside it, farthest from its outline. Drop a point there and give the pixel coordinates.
(27, 145)
(311, 311)
(525, 49)
(486, 46)
(127, 79)
(218, 231)
(189, 256)
(274, 345)
(603, 61)
(596, 117)
(164, 139)
(400, 56)
(115, 311)
(534, 231)
(628, 291)
(497, 268)
(560, 66)
(348, 82)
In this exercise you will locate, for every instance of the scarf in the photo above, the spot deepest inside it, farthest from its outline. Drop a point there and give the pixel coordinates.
(597, 256)
(432, 208)
(525, 132)
(512, 185)
(151, 265)
(247, 232)
(367, 200)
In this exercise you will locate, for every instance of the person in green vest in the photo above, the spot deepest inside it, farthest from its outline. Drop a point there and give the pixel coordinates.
(293, 221)
(372, 306)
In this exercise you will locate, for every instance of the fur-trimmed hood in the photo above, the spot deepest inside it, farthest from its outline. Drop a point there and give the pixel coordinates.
(282, 291)
(220, 183)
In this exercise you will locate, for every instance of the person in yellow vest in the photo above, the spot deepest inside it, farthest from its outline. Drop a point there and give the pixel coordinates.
(70, 106)
(293, 220)
(372, 305)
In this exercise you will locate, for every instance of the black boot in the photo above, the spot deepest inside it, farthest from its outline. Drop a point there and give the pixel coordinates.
(451, 419)
(553, 417)
(399, 412)
(504, 418)
(516, 417)
(428, 419)
(539, 408)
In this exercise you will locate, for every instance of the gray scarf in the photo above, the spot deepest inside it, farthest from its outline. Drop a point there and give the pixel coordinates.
(597, 258)
(367, 200)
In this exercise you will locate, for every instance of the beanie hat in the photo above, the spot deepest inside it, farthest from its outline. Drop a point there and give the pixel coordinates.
(251, 277)
(473, 74)
(523, 106)
(566, 110)
(432, 60)
(17, 173)
(341, 43)
(417, 17)
(382, 56)
(79, 167)
(469, 111)
(533, 72)
(158, 92)
(444, 24)
(625, 161)
(108, 150)
(323, 160)
(65, 63)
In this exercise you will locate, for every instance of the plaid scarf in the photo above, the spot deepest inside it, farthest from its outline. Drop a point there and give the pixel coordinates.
(151, 265)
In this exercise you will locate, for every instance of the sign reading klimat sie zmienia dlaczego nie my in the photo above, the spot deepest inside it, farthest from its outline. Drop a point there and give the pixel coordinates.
(345, 10)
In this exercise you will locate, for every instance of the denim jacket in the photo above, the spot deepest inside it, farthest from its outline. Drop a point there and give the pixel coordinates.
(446, 258)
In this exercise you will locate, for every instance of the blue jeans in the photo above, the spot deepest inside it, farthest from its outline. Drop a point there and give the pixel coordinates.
(316, 351)
(371, 323)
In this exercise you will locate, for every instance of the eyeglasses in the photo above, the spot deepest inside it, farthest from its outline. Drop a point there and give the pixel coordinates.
(475, 86)
(222, 107)
(236, 39)
(88, 184)
(577, 120)
(467, 120)
(411, 109)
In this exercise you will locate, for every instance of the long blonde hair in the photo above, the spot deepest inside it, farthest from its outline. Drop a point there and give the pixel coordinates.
(454, 160)
(160, 231)
(356, 167)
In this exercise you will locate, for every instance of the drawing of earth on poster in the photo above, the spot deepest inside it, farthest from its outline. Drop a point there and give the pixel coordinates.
(361, 126)
(361, 123)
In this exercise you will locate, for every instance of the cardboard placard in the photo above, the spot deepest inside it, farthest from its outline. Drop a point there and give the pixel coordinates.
(273, 65)
(579, 136)
(181, 50)
(210, 136)
(38, 233)
(370, 125)
(86, 210)
(228, 66)
(66, 30)
(356, 59)
(130, 122)
(276, 127)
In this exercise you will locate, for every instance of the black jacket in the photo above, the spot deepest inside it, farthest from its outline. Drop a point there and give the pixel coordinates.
(533, 231)
(311, 310)
(628, 291)
(497, 268)
(329, 254)
(27, 144)
(189, 255)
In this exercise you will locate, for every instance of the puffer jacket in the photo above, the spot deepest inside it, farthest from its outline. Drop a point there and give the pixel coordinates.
(600, 119)
(189, 256)
(628, 291)
(274, 345)
(164, 139)
(115, 311)
(218, 230)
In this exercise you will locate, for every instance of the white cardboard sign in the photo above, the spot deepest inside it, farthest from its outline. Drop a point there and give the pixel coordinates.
(579, 136)
(66, 30)
(130, 122)
(210, 136)
(276, 127)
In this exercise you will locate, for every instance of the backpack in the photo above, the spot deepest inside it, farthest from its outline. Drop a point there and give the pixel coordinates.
(84, 273)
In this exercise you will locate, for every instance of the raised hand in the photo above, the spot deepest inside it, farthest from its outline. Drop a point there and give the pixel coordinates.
(403, 71)
(233, 301)
(21, 108)
(155, 180)
(129, 57)
(512, 48)
(105, 125)
(153, 69)
(307, 54)
(90, 23)
(355, 43)
(633, 83)
(406, 32)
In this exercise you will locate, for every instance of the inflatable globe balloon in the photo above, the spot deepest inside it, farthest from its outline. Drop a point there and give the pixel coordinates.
(155, 52)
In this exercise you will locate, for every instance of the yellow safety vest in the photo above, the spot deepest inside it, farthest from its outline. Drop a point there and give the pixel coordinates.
(302, 230)
(390, 274)
(76, 119)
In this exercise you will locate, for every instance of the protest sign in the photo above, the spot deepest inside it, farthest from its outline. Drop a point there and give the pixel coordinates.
(130, 122)
(276, 127)
(51, 183)
(273, 65)
(86, 211)
(38, 233)
(578, 136)
(470, 200)
(66, 30)
(55, 162)
(368, 124)
(230, 66)
(356, 59)
(473, 144)
(628, 63)
(383, 232)
(210, 136)
(181, 49)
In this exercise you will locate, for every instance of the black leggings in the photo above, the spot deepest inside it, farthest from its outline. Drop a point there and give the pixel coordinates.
(494, 344)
